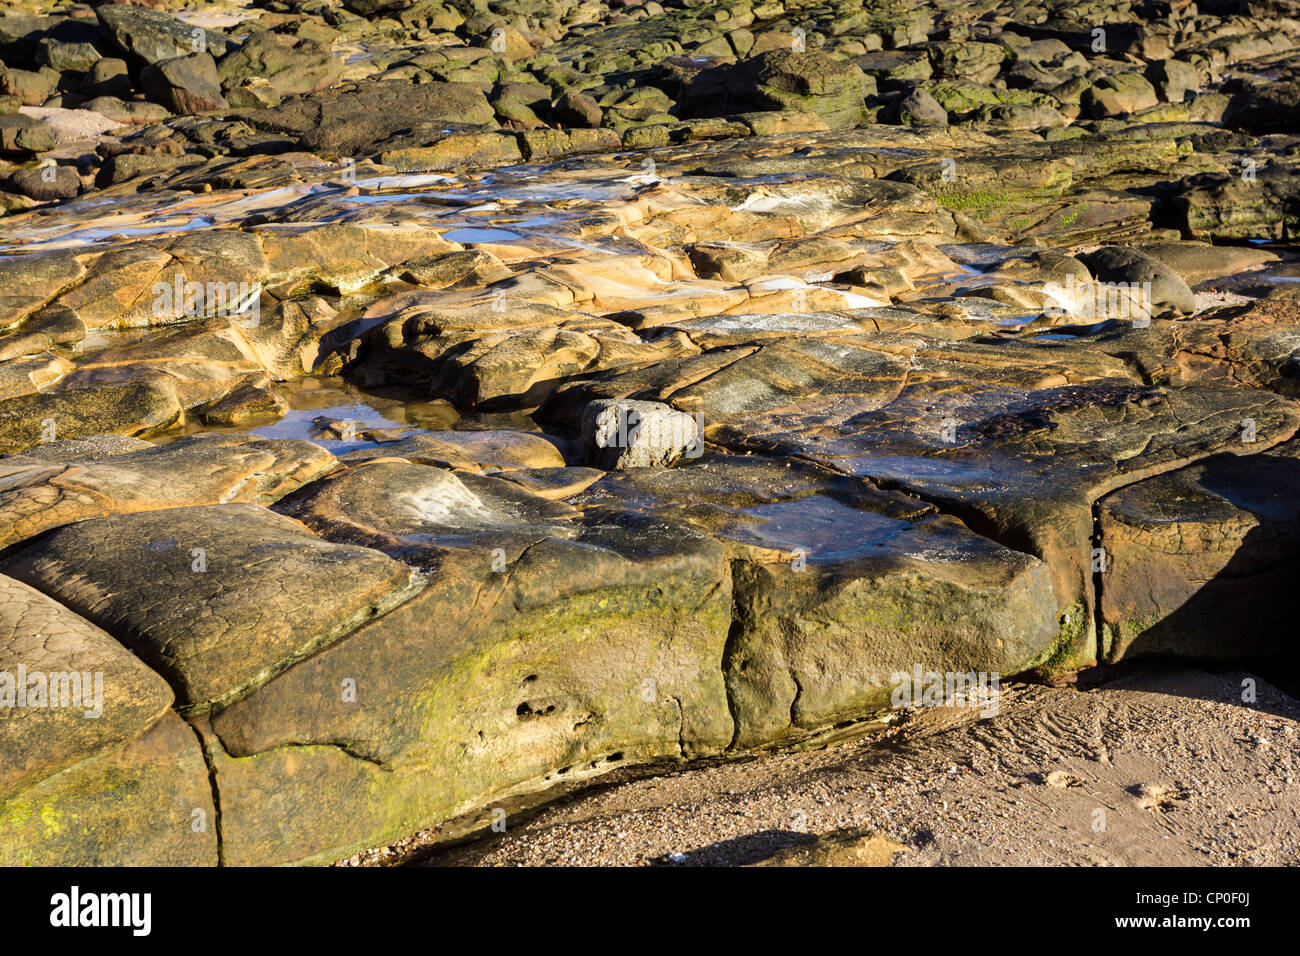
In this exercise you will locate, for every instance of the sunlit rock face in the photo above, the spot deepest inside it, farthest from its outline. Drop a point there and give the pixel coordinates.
(404, 412)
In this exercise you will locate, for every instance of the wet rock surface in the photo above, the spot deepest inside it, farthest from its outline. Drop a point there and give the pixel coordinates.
(407, 409)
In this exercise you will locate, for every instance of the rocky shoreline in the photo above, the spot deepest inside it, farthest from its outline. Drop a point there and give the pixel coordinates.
(411, 407)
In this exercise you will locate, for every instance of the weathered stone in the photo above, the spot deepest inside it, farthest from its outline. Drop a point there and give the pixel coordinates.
(184, 84)
(67, 689)
(420, 513)
(478, 676)
(151, 36)
(1168, 291)
(149, 803)
(633, 434)
(23, 137)
(210, 595)
(780, 80)
(289, 65)
(838, 848)
(358, 120)
(1201, 560)
(138, 408)
(56, 485)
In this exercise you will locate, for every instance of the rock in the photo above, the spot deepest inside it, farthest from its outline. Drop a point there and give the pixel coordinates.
(84, 449)
(838, 848)
(635, 434)
(419, 514)
(471, 268)
(23, 137)
(1168, 292)
(246, 405)
(974, 62)
(1244, 204)
(151, 36)
(1174, 79)
(67, 57)
(816, 83)
(1059, 523)
(81, 693)
(826, 633)
(1263, 107)
(134, 113)
(133, 408)
(239, 563)
(1200, 560)
(492, 653)
(348, 122)
(1249, 345)
(289, 65)
(124, 166)
(577, 109)
(456, 150)
(919, 108)
(1119, 94)
(1199, 261)
(867, 255)
(96, 768)
(27, 375)
(147, 802)
(470, 450)
(31, 88)
(42, 489)
(107, 77)
(184, 84)
(45, 184)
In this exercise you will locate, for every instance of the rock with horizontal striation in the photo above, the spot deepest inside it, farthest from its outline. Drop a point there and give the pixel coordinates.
(243, 566)
(68, 481)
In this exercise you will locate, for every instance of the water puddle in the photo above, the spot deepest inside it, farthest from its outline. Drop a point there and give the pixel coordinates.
(905, 468)
(824, 528)
(471, 235)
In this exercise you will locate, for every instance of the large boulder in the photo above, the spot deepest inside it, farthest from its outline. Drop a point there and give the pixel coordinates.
(1158, 284)
(288, 64)
(356, 120)
(819, 83)
(184, 84)
(151, 36)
